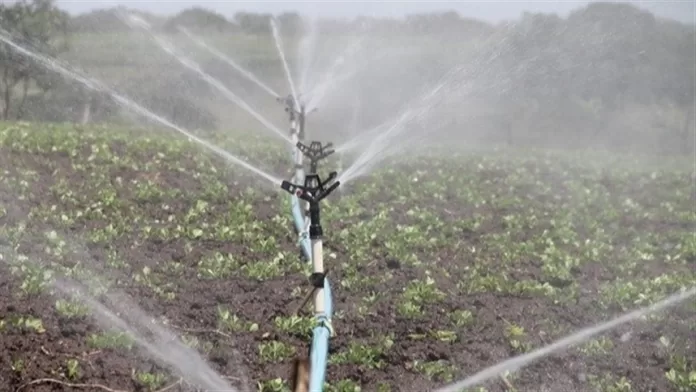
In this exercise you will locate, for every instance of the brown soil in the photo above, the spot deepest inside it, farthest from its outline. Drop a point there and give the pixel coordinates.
(481, 344)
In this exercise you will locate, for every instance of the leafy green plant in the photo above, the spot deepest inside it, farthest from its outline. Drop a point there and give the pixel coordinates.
(359, 354)
(275, 351)
(72, 369)
(150, 381)
(110, 340)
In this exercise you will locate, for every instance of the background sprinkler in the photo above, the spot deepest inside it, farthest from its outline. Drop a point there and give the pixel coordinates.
(297, 113)
(290, 106)
(315, 152)
(313, 191)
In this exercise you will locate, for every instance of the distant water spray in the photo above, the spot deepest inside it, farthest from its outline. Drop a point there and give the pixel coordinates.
(460, 81)
(306, 51)
(331, 78)
(164, 346)
(355, 118)
(281, 53)
(516, 363)
(451, 85)
(137, 22)
(94, 85)
(198, 41)
(381, 142)
(352, 128)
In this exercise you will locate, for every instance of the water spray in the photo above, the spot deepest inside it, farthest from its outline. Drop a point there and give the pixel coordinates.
(281, 53)
(313, 192)
(310, 373)
(198, 41)
(164, 44)
(125, 102)
(518, 362)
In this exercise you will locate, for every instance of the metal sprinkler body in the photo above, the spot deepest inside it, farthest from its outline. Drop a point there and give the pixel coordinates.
(313, 191)
(314, 152)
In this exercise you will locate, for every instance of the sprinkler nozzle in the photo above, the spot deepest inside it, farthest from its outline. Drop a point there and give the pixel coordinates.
(314, 189)
(290, 104)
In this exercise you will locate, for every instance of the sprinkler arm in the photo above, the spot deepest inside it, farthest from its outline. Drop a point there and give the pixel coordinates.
(314, 190)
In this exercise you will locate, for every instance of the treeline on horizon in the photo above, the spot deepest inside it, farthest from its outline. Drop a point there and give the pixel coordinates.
(290, 23)
(608, 74)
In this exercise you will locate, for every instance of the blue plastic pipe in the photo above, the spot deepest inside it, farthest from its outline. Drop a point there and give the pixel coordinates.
(320, 343)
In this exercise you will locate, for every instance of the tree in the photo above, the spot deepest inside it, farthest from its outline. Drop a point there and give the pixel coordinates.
(290, 23)
(178, 96)
(101, 20)
(110, 20)
(32, 24)
(199, 18)
(252, 23)
(609, 46)
(434, 22)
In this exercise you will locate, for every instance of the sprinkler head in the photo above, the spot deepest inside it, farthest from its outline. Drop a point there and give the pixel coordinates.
(290, 104)
(314, 189)
(315, 152)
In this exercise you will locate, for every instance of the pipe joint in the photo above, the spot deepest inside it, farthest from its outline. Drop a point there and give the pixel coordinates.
(323, 321)
(315, 231)
(317, 279)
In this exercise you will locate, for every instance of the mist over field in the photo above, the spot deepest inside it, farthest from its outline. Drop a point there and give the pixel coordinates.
(607, 75)
(515, 208)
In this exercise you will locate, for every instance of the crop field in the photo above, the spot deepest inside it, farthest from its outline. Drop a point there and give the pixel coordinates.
(441, 265)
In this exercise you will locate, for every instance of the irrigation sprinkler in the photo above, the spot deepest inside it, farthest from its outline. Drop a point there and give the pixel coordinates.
(315, 152)
(313, 191)
(309, 373)
(296, 113)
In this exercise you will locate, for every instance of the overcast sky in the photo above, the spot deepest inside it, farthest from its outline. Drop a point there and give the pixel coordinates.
(493, 11)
